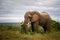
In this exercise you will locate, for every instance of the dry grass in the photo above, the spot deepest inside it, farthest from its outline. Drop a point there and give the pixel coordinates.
(16, 35)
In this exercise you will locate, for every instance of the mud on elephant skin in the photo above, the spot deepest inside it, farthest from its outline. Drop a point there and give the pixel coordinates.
(36, 18)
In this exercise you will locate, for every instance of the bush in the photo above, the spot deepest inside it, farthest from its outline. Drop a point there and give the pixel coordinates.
(40, 29)
(55, 25)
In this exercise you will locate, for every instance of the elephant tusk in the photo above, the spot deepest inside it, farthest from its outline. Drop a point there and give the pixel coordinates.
(28, 24)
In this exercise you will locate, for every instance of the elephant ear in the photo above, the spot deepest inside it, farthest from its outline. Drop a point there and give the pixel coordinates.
(35, 18)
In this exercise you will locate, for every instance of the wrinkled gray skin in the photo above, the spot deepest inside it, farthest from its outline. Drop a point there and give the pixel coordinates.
(36, 18)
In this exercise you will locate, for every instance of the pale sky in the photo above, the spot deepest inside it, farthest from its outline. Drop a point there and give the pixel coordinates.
(14, 10)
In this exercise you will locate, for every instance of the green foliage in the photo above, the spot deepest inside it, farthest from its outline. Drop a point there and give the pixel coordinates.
(14, 27)
(40, 29)
(55, 26)
(22, 26)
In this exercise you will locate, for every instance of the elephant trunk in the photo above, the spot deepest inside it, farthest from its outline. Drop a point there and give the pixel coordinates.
(26, 23)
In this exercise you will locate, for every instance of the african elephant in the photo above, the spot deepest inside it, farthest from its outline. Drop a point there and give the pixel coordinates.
(36, 18)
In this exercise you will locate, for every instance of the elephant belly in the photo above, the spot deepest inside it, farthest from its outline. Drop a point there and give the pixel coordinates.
(42, 21)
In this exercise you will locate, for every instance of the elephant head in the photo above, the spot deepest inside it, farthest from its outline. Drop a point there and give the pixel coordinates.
(27, 19)
(31, 17)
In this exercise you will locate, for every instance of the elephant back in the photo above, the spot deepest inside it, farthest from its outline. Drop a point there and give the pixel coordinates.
(45, 15)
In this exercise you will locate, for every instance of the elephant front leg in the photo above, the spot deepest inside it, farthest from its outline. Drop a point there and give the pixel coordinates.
(34, 26)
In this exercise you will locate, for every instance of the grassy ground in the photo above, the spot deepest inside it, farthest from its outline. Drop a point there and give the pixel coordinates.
(15, 32)
(16, 35)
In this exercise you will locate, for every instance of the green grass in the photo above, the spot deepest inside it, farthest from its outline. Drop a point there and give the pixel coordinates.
(16, 35)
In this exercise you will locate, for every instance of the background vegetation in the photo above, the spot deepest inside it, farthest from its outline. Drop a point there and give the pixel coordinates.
(14, 31)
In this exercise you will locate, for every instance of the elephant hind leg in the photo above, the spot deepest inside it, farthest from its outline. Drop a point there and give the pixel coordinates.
(47, 27)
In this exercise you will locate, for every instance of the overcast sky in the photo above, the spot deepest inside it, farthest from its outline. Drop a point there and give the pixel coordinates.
(14, 10)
